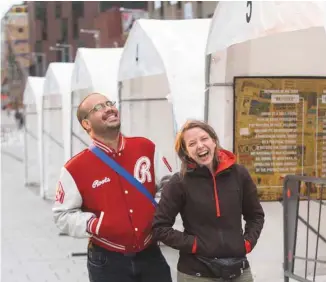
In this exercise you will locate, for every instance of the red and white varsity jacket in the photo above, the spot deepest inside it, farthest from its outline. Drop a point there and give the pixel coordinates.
(92, 200)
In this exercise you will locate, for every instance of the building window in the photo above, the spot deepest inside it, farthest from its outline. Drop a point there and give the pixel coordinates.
(107, 5)
(66, 54)
(179, 5)
(75, 28)
(40, 10)
(45, 29)
(64, 30)
(77, 9)
(162, 11)
(77, 12)
(58, 10)
(200, 9)
(38, 46)
(137, 5)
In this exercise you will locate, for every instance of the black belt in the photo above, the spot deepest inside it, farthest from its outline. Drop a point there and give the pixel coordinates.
(130, 255)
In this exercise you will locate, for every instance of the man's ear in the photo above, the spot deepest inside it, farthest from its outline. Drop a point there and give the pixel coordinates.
(86, 125)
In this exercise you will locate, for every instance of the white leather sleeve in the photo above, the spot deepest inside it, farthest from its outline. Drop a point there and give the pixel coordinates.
(67, 208)
(163, 170)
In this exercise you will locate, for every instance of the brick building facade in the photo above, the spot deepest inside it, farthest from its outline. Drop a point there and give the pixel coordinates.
(15, 53)
(173, 10)
(60, 22)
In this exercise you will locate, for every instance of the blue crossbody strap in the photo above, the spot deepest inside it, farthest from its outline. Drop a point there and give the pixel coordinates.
(120, 170)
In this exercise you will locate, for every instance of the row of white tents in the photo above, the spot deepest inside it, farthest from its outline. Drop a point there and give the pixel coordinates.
(170, 71)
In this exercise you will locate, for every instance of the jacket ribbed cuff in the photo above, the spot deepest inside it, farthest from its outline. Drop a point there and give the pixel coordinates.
(91, 225)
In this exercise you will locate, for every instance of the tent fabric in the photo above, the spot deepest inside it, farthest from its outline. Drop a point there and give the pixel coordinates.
(162, 79)
(97, 70)
(32, 100)
(56, 123)
(58, 83)
(239, 21)
(58, 79)
(33, 90)
(281, 39)
(175, 48)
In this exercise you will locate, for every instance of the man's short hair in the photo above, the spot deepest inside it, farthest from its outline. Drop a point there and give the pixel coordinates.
(81, 111)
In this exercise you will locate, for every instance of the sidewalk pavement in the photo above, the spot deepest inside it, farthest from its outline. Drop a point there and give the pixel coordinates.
(31, 248)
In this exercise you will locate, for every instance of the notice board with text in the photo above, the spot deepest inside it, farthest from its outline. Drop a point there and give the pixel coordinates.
(280, 129)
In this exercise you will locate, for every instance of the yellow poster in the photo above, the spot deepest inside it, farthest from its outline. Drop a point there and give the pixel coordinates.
(280, 129)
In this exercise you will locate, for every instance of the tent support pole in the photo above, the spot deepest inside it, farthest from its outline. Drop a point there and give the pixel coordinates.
(143, 99)
(220, 84)
(207, 74)
(79, 138)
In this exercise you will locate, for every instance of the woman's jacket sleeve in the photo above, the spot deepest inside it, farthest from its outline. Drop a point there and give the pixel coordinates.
(171, 203)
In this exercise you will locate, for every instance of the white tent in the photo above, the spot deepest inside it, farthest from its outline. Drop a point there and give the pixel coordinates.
(32, 101)
(95, 70)
(265, 38)
(163, 62)
(56, 123)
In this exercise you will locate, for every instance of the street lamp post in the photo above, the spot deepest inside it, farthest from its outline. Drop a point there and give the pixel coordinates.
(59, 49)
(61, 45)
(43, 56)
(96, 33)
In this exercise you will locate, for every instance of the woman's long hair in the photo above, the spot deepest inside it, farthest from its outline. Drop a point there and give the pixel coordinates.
(180, 146)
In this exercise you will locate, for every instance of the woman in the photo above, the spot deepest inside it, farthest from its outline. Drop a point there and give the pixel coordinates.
(211, 193)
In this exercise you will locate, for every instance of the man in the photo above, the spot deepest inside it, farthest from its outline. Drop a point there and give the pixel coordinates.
(94, 200)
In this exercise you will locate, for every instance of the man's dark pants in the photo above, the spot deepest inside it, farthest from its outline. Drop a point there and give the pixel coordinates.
(148, 265)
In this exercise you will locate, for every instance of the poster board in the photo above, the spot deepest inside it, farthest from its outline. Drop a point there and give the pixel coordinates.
(280, 129)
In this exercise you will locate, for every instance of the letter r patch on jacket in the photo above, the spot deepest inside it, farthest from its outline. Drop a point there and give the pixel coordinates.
(60, 193)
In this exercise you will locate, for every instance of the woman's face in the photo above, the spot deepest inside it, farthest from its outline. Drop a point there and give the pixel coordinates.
(200, 146)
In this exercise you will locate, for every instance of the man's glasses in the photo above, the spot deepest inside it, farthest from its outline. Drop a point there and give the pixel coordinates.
(100, 106)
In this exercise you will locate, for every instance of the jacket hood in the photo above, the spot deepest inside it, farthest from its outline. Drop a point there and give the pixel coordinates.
(226, 160)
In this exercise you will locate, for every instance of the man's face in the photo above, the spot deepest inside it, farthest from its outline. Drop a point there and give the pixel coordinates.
(101, 115)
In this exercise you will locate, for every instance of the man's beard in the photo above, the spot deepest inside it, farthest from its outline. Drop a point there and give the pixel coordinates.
(105, 130)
